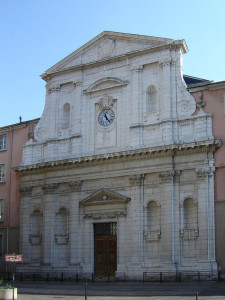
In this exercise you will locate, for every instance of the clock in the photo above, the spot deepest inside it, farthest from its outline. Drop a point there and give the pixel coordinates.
(106, 117)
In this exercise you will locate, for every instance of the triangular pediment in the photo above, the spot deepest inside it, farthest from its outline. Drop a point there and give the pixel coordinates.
(105, 197)
(107, 45)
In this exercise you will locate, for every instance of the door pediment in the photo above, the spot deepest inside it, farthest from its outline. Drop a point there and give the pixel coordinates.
(104, 197)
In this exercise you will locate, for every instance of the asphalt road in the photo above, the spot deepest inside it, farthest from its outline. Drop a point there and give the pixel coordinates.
(207, 290)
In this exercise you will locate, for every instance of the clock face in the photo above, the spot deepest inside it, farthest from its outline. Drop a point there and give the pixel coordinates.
(106, 117)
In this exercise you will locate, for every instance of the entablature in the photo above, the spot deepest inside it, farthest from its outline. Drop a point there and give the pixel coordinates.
(144, 153)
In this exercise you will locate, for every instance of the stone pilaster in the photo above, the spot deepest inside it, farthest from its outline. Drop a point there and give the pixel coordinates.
(167, 189)
(26, 194)
(166, 86)
(50, 194)
(137, 217)
(205, 181)
(53, 95)
(136, 105)
(75, 230)
(75, 113)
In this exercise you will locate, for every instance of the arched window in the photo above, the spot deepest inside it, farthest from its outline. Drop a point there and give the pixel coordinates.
(36, 222)
(66, 115)
(62, 221)
(152, 216)
(151, 101)
(190, 213)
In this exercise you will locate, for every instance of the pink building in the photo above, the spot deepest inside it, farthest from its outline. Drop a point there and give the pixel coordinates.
(12, 139)
(210, 96)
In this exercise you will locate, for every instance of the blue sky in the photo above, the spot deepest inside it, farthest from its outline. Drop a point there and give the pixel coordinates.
(36, 34)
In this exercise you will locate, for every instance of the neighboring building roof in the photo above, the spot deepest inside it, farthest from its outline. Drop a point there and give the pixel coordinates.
(190, 80)
(17, 125)
(195, 84)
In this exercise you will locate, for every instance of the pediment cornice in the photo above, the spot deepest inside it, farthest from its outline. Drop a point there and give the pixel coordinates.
(104, 197)
(152, 44)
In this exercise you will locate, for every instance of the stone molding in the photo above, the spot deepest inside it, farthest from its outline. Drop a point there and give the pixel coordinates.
(54, 89)
(61, 239)
(137, 69)
(50, 188)
(136, 179)
(200, 103)
(105, 83)
(106, 102)
(167, 62)
(152, 235)
(202, 173)
(104, 197)
(35, 239)
(105, 215)
(75, 185)
(189, 233)
(77, 83)
(26, 190)
(167, 176)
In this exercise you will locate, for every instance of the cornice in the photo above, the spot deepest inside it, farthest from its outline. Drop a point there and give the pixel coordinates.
(130, 155)
(209, 85)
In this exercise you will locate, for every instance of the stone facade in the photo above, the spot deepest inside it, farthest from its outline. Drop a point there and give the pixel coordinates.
(119, 143)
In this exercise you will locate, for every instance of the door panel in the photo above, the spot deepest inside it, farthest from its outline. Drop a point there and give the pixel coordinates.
(105, 255)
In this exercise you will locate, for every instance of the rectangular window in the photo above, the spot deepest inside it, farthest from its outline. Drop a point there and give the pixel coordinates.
(2, 210)
(3, 142)
(2, 172)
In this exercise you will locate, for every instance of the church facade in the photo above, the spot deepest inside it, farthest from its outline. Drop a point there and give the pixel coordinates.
(119, 178)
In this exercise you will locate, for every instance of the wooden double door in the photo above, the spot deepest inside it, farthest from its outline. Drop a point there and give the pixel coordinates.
(105, 253)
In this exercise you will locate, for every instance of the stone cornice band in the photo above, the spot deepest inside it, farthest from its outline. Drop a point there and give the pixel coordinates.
(204, 146)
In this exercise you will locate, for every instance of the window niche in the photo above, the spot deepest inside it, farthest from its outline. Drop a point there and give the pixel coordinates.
(35, 237)
(62, 226)
(65, 116)
(151, 99)
(153, 230)
(189, 229)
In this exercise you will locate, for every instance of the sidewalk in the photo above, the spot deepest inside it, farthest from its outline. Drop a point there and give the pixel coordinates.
(208, 290)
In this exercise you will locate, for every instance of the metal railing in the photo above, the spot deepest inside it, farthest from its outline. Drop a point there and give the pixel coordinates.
(180, 276)
(147, 276)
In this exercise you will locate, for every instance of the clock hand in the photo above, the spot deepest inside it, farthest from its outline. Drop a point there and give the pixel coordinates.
(106, 117)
